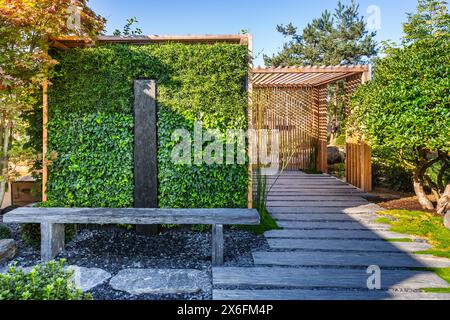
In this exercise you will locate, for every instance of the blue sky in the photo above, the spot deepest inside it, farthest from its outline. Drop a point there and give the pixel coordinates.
(260, 17)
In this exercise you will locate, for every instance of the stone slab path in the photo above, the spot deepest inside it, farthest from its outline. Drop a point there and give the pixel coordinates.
(159, 281)
(329, 239)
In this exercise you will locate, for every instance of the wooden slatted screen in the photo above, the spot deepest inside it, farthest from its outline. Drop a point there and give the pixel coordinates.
(300, 113)
(358, 164)
(291, 111)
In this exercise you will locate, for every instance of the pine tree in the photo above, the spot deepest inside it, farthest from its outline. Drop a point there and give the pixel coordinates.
(331, 39)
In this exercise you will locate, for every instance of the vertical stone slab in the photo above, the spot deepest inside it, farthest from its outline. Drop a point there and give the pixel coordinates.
(145, 149)
(217, 245)
(52, 240)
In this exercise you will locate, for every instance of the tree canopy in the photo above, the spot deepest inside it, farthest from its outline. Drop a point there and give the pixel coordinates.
(431, 19)
(406, 108)
(332, 39)
(26, 27)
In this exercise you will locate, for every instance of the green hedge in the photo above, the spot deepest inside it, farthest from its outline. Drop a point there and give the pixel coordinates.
(91, 122)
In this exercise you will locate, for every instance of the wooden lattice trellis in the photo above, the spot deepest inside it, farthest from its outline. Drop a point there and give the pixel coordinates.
(289, 111)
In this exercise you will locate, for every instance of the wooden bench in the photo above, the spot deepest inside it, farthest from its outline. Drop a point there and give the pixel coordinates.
(52, 222)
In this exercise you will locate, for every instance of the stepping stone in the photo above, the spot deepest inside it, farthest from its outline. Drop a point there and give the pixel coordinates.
(324, 217)
(313, 186)
(343, 197)
(299, 210)
(7, 249)
(332, 225)
(298, 294)
(348, 245)
(369, 208)
(335, 234)
(303, 204)
(4, 269)
(349, 259)
(159, 281)
(277, 277)
(279, 193)
(324, 180)
(86, 279)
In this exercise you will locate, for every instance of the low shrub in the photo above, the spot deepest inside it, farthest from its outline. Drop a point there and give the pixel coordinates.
(31, 234)
(389, 173)
(50, 281)
(337, 170)
(5, 232)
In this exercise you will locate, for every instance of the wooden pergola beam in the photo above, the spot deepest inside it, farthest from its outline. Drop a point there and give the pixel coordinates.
(334, 79)
(73, 41)
(314, 69)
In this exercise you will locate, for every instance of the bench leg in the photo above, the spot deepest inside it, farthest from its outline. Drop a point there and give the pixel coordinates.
(52, 240)
(217, 245)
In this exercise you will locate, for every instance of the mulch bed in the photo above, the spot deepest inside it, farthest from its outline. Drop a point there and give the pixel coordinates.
(393, 200)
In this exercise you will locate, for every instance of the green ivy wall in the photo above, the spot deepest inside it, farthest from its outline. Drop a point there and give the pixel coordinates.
(91, 122)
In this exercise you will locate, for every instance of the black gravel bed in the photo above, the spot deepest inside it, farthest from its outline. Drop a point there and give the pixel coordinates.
(115, 249)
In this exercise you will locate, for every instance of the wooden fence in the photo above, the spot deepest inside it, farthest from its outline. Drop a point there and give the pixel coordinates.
(358, 164)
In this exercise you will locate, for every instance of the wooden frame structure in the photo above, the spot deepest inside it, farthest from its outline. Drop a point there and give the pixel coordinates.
(295, 102)
(68, 42)
(314, 80)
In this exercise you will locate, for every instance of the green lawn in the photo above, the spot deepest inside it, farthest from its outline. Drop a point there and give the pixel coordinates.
(400, 240)
(444, 273)
(421, 224)
(427, 226)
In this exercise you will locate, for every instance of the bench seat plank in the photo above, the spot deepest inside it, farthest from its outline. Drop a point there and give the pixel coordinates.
(52, 222)
(133, 216)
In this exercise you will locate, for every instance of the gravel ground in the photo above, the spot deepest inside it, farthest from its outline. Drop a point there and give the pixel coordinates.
(114, 249)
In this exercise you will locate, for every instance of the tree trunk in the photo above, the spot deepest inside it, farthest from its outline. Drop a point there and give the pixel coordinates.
(420, 192)
(447, 220)
(444, 202)
(4, 162)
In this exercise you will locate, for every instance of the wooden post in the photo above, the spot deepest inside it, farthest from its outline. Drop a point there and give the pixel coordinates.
(145, 150)
(366, 167)
(366, 158)
(217, 245)
(52, 240)
(322, 154)
(44, 139)
(250, 120)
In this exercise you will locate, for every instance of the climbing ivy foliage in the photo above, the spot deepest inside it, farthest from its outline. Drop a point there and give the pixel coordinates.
(91, 122)
(407, 106)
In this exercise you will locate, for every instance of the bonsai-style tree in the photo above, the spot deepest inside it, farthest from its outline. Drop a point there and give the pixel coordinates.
(406, 108)
(25, 30)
